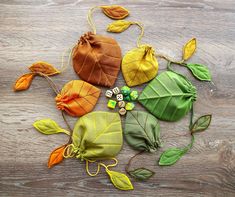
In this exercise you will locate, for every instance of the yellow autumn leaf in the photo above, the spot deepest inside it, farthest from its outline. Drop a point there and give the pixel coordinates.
(120, 180)
(189, 48)
(119, 26)
(139, 65)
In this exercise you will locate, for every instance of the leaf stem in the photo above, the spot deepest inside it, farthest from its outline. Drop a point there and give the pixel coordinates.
(130, 160)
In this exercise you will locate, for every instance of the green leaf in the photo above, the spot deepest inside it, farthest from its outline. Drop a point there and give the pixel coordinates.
(98, 134)
(141, 173)
(199, 71)
(171, 156)
(119, 180)
(169, 96)
(201, 123)
(48, 127)
(142, 131)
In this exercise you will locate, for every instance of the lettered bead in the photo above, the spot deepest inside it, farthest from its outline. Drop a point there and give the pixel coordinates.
(122, 111)
(109, 93)
(121, 104)
(116, 90)
(119, 97)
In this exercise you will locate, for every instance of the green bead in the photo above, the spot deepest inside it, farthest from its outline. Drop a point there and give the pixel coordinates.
(129, 106)
(111, 104)
(125, 90)
(134, 95)
(127, 98)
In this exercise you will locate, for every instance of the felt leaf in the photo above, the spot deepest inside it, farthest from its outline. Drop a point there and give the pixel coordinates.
(48, 127)
(23, 82)
(142, 131)
(119, 26)
(44, 67)
(98, 135)
(141, 173)
(97, 59)
(115, 11)
(169, 96)
(171, 156)
(199, 71)
(139, 65)
(119, 180)
(77, 98)
(189, 48)
(202, 123)
(56, 156)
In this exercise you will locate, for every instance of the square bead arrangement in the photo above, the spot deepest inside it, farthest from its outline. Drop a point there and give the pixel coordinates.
(125, 98)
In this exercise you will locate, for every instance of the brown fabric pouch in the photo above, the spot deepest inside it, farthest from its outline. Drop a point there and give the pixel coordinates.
(97, 59)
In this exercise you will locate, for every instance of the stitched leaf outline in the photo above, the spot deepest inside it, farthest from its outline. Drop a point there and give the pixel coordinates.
(44, 67)
(189, 48)
(199, 71)
(139, 65)
(77, 98)
(120, 180)
(115, 11)
(23, 82)
(98, 135)
(171, 156)
(119, 26)
(48, 127)
(169, 96)
(56, 156)
(141, 173)
(202, 123)
(142, 131)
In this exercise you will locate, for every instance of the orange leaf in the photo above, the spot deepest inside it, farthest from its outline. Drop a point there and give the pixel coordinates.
(44, 67)
(23, 82)
(56, 156)
(115, 11)
(77, 97)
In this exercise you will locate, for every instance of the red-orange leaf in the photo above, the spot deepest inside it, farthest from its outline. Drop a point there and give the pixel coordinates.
(23, 82)
(115, 11)
(56, 156)
(77, 97)
(44, 67)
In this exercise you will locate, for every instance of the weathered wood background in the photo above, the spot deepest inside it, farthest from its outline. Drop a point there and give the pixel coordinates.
(32, 30)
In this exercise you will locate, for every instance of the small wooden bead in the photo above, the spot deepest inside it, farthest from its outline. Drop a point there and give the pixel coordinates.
(122, 111)
(119, 97)
(121, 104)
(109, 93)
(116, 90)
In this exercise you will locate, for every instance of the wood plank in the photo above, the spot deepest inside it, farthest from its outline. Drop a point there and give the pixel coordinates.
(43, 30)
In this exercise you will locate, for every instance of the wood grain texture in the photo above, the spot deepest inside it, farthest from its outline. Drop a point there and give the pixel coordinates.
(32, 30)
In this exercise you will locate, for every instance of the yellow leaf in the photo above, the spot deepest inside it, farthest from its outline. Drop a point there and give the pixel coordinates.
(119, 26)
(56, 156)
(119, 180)
(189, 49)
(115, 11)
(23, 82)
(139, 65)
(44, 67)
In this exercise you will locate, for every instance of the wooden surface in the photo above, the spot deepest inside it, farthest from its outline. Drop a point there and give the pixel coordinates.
(32, 30)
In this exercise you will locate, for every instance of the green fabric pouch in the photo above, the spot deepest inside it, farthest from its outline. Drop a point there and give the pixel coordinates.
(169, 96)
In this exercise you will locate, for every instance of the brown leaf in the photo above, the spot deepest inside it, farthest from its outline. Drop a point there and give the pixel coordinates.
(97, 59)
(115, 11)
(23, 82)
(77, 98)
(56, 156)
(44, 67)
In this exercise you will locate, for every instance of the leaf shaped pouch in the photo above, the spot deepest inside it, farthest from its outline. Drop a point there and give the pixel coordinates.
(142, 131)
(139, 65)
(97, 59)
(169, 96)
(97, 135)
(77, 97)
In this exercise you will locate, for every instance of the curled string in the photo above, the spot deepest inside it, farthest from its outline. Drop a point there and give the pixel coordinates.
(99, 164)
(89, 18)
(138, 43)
